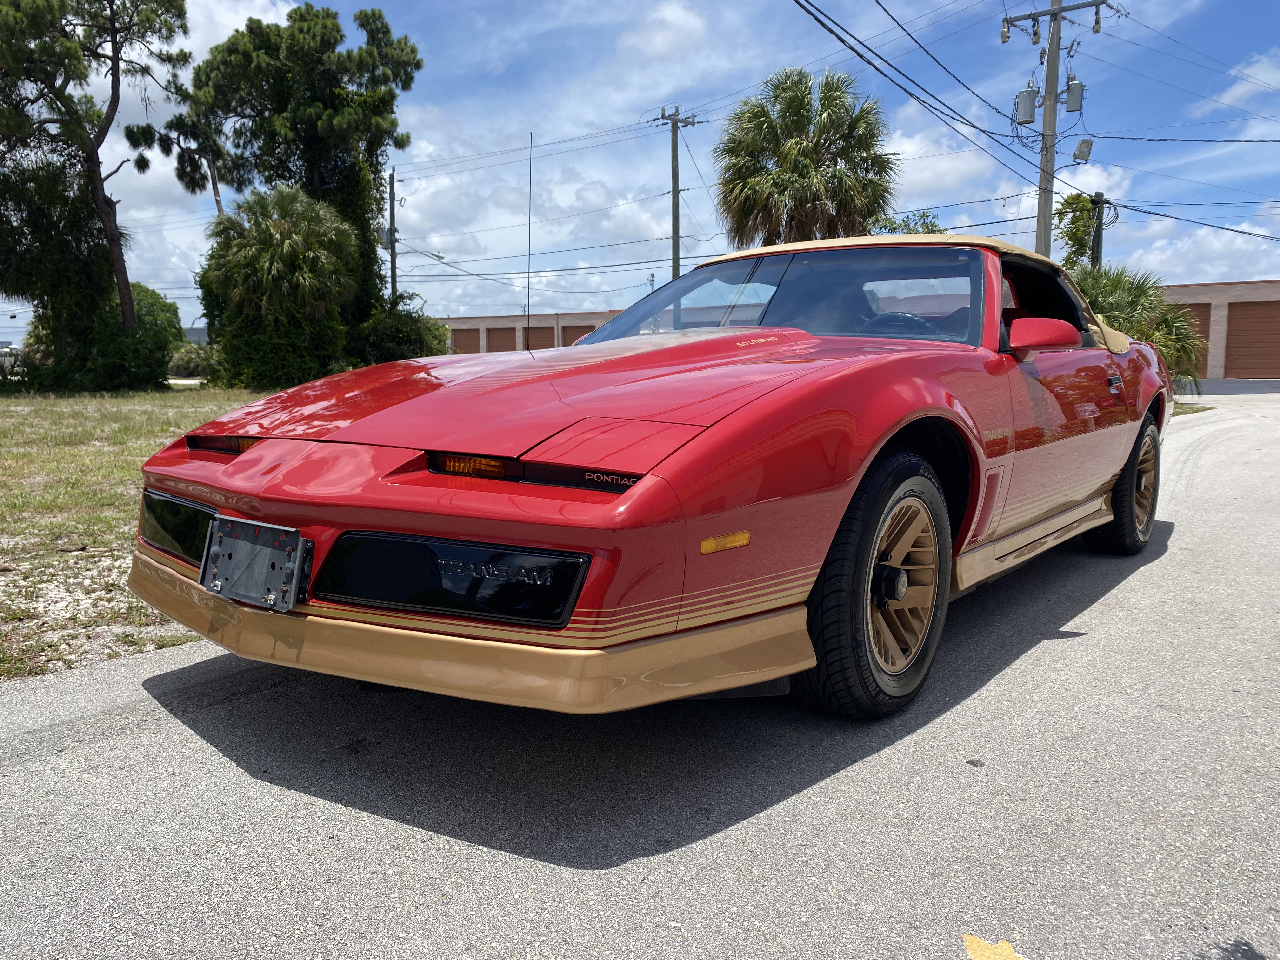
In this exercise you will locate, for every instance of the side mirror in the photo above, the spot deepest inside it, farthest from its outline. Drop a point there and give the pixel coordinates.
(1029, 335)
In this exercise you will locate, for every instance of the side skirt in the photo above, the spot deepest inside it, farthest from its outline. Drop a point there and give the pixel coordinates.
(1000, 556)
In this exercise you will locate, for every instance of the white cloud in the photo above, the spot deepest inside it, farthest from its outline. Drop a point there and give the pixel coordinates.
(670, 30)
(1261, 84)
(1203, 255)
(1095, 177)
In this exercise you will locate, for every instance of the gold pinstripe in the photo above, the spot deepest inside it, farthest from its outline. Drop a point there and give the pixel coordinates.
(589, 627)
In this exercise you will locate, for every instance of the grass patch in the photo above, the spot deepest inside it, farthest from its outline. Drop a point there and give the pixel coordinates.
(70, 478)
(1182, 409)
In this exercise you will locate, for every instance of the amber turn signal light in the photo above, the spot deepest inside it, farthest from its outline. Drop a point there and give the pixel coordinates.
(727, 542)
(232, 445)
(466, 466)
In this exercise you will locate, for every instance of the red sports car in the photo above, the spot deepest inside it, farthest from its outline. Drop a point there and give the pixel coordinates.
(775, 470)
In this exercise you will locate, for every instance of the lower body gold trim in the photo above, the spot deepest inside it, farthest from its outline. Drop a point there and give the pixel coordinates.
(999, 556)
(621, 677)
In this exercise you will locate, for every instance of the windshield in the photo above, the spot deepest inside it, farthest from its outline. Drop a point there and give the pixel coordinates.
(905, 293)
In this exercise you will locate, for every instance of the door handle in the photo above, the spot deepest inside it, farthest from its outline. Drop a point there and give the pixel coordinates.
(1114, 383)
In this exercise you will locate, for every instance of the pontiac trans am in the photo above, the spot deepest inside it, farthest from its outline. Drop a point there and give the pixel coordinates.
(772, 472)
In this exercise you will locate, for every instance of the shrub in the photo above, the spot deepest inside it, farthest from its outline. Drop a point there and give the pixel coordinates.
(272, 287)
(191, 360)
(396, 332)
(92, 351)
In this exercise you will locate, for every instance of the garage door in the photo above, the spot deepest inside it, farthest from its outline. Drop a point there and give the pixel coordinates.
(1201, 313)
(501, 339)
(540, 338)
(466, 341)
(1253, 340)
(571, 334)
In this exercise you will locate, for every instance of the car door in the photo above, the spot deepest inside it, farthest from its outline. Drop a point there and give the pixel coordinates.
(1070, 416)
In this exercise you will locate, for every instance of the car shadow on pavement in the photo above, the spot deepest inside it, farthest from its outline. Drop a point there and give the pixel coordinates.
(592, 792)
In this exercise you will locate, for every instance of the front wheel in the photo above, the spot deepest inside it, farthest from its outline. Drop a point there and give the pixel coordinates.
(1133, 498)
(877, 609)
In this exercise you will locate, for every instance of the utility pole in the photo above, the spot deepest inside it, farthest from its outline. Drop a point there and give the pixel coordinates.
(1049, 135)
(676, 122)
(1098, 201)
(391, 234)
(1049, 126)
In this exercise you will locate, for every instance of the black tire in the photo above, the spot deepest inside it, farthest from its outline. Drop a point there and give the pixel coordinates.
(849, 679)
(1125, 535)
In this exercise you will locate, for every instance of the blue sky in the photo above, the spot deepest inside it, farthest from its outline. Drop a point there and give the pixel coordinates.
(585, 77)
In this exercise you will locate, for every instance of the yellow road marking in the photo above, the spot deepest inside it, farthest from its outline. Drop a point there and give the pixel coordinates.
(979, 949)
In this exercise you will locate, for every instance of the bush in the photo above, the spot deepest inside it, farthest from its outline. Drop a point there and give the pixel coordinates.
(192, 360)
(272, 287)
(91, 350)
(396, 332)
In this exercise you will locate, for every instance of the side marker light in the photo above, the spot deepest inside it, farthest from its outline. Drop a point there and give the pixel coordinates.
(727, 542)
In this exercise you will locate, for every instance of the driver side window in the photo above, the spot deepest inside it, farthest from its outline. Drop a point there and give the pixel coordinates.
(1032, 291)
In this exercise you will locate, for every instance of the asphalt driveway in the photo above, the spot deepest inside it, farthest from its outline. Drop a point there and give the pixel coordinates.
(1092, 772)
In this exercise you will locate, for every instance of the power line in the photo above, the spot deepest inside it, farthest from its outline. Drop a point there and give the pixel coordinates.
(1169, 176)
(929, 54)
(1164, 53)
(874, 36)
(1103, 136)
(821, 18)
(543, 253)
(446, 161)
(1198, 96)
(504, 163)
(700, 177)
(959, 203)
(567, 216)
(1242, 73)
(966, 226)
(1199, 223)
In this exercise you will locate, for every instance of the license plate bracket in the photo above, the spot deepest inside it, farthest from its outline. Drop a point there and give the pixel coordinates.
(256, 563)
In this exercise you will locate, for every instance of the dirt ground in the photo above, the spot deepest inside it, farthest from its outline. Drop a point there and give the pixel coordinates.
(70, 482)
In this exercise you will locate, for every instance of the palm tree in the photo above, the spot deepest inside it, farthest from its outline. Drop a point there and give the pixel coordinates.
(1133, 303)
(277, 273)
(798, 166)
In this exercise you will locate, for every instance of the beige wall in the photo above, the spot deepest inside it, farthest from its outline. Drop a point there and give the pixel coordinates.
(545, 330)
(1220, 297)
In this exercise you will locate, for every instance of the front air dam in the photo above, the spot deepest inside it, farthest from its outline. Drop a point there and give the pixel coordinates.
(722, 656)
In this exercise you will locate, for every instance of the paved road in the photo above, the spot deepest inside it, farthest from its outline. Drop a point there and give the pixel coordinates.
(1124, 711)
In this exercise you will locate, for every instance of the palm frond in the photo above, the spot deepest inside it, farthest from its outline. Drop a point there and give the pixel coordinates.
(803, 161)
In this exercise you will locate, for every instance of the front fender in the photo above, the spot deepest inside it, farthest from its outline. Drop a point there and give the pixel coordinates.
(783, 470)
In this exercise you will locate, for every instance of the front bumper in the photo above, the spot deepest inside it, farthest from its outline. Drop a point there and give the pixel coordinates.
(621, 677)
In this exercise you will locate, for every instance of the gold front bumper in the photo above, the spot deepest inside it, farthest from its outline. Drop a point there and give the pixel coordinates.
(719, 657)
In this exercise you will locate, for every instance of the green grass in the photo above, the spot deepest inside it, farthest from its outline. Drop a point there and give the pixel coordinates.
(70, 478)
(1182, 409)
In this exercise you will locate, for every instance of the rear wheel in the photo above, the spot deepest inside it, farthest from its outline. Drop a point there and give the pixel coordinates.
(1133, 498)
(877, 609)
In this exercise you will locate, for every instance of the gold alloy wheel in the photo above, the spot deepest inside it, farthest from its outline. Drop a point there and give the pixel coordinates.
(1144, 487)
(900, 618)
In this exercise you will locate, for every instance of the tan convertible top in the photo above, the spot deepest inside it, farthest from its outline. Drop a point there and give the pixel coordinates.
(894, 240)
(1116, 341)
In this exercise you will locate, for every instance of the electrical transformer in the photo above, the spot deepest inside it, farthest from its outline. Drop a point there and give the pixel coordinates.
(1025, 105)
(1075, 94)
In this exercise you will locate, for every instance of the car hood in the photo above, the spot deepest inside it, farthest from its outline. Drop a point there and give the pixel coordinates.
(504, 404)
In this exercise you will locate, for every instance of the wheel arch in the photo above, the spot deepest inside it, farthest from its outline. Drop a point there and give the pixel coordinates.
(1157, 408)
(944, 445)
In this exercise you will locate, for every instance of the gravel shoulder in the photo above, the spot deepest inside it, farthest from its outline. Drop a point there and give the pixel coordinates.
(70, 483)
